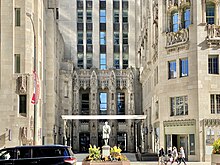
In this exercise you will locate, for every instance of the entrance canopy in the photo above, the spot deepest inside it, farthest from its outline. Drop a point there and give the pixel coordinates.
(92, 117)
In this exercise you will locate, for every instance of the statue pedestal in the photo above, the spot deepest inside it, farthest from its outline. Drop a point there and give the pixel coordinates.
(105, 150)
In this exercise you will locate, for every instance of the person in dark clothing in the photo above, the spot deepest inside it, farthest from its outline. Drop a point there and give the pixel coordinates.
(161, 155)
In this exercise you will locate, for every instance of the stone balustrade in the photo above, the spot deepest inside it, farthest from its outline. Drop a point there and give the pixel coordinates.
(176, 38)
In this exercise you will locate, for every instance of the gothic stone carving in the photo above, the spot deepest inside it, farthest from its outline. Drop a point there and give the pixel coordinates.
(22, 84)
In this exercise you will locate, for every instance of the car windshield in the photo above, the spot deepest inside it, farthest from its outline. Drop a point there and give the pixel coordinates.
(6, 154)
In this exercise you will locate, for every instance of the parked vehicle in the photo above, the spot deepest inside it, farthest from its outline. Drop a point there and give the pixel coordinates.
(39, 155)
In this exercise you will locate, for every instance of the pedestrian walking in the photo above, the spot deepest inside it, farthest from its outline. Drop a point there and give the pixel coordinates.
(175, 155)
(182, 156)
(161, 156)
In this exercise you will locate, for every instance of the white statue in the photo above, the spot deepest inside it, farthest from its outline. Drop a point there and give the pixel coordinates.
(106, 132)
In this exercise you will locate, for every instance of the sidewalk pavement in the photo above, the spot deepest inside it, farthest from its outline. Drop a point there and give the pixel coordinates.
(133, 161)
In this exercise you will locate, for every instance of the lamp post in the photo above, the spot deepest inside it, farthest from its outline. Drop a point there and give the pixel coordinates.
(35, 72)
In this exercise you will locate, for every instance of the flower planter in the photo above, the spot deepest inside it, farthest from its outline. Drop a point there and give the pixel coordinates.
(215, 159)
(106, 163)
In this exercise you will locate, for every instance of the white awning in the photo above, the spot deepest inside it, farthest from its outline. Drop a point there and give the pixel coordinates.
(92, 117)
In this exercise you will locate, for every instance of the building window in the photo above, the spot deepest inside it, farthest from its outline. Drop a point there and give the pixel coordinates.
(125, 5)
(23, 104)
(17, 63)
(116, 16)
(125, 16)
(79, 4)
(187, 18)
(88, 4)
(179, 106)
(210, 13)
(80, 16)
(175, 26)
(88, 60)
(103, 103)
(103, 61)
(192, 144)
(89, 38)
(80, 38)
(66, 91)
(125, 61)
(156, 76)
(184, 67)
(89, 16)
(102, 16)
(116, 38)
(210, 136)
(120, 103)
(213, 64)
(117, 61)
(17, 17)
(80, 60)
(215, 104)
(172, 69)
(125, 38)
(85, 104)
(116, 4)
(102, 38)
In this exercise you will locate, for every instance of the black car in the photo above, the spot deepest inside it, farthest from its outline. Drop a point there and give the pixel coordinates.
(39, 155)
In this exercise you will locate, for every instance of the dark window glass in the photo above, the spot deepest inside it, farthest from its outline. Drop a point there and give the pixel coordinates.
(88, 60)
(125, 16)
(80, 48)
(102, 5)
(17, 17)
(117, 61)
(80, 26)
(125, 38)
(57, 13)
(213, 64)
(89, 26)
(125, 61)
(17, 66)
(6, 154)
(24, 153)
(89, 38)
(116, 5)
(125, 27)
(116, 38)
(116, 27)
(89, 48)
(210, 13)
(79, 4)
(102, 48)
(125, 48)
(80, 16)
(102, 26)
(88, 4)
(124, 5)
(85, 104)
(116, 16)
(179, 106)
(215, 104)
(89, 16)
(22, 104)
(80, 38)
(116, 48)
(192, 144)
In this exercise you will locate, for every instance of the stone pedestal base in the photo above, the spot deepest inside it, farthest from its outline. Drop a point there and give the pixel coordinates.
(105, 150)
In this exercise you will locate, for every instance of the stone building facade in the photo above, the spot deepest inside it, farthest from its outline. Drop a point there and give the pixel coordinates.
(21, 21)
(99, 41)
(179, 52)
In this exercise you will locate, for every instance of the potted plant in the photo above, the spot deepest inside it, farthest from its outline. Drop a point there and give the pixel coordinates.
(215, 157)
(115, 157)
